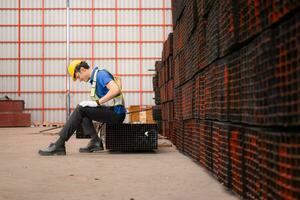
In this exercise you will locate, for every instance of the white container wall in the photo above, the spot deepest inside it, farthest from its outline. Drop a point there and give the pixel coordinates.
(122, 36)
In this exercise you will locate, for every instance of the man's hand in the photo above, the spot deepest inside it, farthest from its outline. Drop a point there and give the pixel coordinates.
(88, 104)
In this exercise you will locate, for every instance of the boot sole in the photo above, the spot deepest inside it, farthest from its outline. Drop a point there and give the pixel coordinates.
(57, 153)
(90, 150)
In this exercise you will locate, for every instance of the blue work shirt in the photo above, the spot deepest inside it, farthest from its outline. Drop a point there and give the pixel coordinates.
(103, 78)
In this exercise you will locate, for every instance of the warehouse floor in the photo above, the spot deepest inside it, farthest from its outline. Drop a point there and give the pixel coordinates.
(166, 174)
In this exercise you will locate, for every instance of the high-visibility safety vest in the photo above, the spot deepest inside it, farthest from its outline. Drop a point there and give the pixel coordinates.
(117, 100)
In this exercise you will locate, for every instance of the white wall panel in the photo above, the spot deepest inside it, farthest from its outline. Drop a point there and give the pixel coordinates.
(9, 83)
(9, 50)
(128, 4)
(54, 4)
(31, 3)
(55, 33)
(104, 50)
(129, 66)
(148, 99)
(31, 17)
(131, 99)
(55, 17)
(150, 33)
(9, 4)
(31, 33)
(128, 50)
(32, 100)
(128, 17)
(55, 67)
(55, 100)
(151, 50)
(55, 116)
(152, 17)
(168, 19)
(56, 83)
(146, 65)
(31, 67)
(147, 83)
(128, 33)
(80, 4)
(168, 4)
(9, 33)
(130, 83)
(104, 17)
(31, 83)
(81, 33)
(8, 17)
(152, 3)
(80, 17)
(80, 86)
(104, 33)
(55, 50)
(104, 4)
(8, 66)
(80, 50)
(31, 50)
(107, 64)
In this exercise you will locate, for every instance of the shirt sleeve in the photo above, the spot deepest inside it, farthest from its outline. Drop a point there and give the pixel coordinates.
(103, 77)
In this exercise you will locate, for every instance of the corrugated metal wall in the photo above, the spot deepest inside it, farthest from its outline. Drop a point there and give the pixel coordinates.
(123, 36)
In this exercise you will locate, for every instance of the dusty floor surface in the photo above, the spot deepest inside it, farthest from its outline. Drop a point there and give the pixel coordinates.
(165, 174)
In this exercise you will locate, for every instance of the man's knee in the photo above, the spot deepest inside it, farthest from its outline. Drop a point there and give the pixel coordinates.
(79, 109)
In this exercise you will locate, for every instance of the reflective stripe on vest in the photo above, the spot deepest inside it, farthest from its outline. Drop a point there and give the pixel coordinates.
(116, 101)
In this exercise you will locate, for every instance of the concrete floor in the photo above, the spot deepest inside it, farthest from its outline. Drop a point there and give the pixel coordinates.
(165, 174)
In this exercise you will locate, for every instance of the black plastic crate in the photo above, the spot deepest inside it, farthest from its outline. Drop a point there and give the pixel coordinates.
(177, 7)
(212, 33)
(187, 99)
(180, 62)
(205, 138)
(236, 150)
(252, 184)
(210, 92)
(178, 104)
(215, 149)
(131, 137)
(208, 148)
(193, 55)
(221, 90)
(234, 88)
(279, 164)
(228, 26)
(285, 104)
(199, 94)
(192, 138)
(179, 134)
(224, 162)
(247, 83)
(250, 19)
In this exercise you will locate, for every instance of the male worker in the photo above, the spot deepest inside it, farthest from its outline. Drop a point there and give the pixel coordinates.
(107, 105)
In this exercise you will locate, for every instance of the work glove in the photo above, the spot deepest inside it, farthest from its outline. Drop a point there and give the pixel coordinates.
(88, 104)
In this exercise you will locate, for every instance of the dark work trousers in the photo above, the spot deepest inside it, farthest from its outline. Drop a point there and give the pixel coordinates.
(84, 116)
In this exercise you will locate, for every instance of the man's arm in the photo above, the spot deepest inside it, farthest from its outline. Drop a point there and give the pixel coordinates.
(113, 90)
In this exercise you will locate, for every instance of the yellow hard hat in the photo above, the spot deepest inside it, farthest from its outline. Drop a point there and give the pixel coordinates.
(72, 67)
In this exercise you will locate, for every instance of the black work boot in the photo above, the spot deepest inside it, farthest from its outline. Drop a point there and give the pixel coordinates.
(53, 149)
(93, 145)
